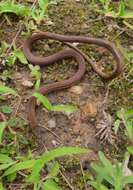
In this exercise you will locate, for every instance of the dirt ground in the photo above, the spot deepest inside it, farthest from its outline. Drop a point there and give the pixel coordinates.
(97, 100)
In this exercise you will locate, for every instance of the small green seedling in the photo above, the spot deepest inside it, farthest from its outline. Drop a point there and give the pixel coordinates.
(108, 175)
(38, 13)
(122, 12)
(9, 6)
(125, 117)
(68, 109)
(36, 73)
(34, 166)
(15, 54)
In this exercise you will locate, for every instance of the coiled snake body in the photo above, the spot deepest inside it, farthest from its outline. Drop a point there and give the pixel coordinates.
(74, 53)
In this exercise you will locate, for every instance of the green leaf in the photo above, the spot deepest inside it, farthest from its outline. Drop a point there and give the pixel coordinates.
(36, 175)
(54, 170)
(6, 109)
(5, 166)
(128, 180)
(3, 47)
(1, 186)
(106, 163)
(7, 90)
(130, 149)
(98, 186)
(12, 177)
(11, 59)
(51, 155)
(68, 109)
(126, 115)
(127, 14)
(51, 185)
(130, 55)
(18, 9)
(5, 159)
(2, 127)
(43, 4)
(20, 166)
(19, 54)
(102, 173)
(121, 9)
(46, 103)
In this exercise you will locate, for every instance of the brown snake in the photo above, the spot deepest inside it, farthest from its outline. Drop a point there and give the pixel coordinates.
(74, 53)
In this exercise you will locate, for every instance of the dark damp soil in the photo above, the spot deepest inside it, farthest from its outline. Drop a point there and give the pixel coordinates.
(97, 100)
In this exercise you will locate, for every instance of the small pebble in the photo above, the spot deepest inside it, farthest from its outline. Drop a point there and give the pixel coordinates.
(76, 90)
(52, 124)
(27, 83)
(89, 110)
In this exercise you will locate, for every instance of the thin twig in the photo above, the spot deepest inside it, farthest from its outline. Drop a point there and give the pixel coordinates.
(83, 175)
(17, 108)
(59, 139)
(66, 180)
(14, 40)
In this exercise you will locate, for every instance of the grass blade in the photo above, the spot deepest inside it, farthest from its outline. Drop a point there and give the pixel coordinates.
(46, 103)
(51, 155)
(2, 127)
(7, 90)
(68, 109)
(20, 166)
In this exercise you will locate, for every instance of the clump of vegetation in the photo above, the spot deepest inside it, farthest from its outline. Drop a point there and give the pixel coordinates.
(115, 176)
(122, 12)
(125, 117)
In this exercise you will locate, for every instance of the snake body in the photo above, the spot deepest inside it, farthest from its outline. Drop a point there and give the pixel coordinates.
(74, 53)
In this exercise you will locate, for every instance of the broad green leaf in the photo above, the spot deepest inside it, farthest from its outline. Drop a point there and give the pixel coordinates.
(46, 103)
(130, 149)
(54, 170)
(5, 159)
(6, 109)
(7, 90)
(20, 166)
(128, 180)
(19, 54)
(64, 108)
(2, 127)
(51, 185)
(36, 175)
(106, 163)
(101, 171)
(51, 155)
(98, 186)
(18, 9)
